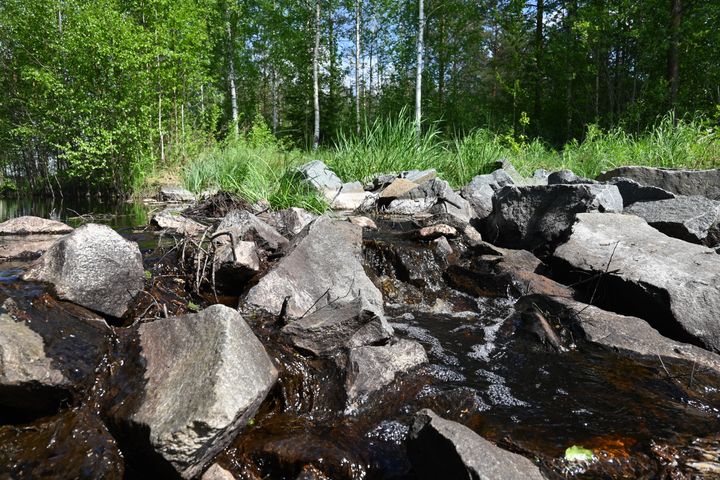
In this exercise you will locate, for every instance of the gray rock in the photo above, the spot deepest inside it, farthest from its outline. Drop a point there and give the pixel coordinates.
(619, 332)
(680, 182)
(320, 177)
(176, 194)
(440, 448)
(567, 177)
(517, 178)
(481, 190)
(289, 221)
(243, 225)
(172, 221)
(363, 222)
(380, 181)
(348, 200)
(324, 263)
(537, 216)
(33, 226)
(436, 231)
(206, 375)
(541, 175)
(370, 368)
(25, 247)
(419, 176)
(236, 263)
(398, 188)
(693, 219)
(93, 267)
(434, 196)
(631, 191)
(216, 472)
(339, 325)
(686, 276)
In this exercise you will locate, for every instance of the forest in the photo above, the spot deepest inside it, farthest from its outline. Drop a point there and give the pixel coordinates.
(109, 95)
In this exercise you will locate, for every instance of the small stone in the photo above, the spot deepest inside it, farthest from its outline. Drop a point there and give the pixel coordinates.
(473, 236)
(398, 188)
(443, 246)
(438, 230)
(363, 222)
(216, 472)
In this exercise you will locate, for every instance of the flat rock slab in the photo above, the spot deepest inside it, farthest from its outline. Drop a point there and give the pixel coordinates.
(33, 226)
(25, 247)
(370, 368)
(398, 188)
(538, 216)
(94, 267)
(693, 219)
(619, 332)
(340, 325)
(688, 274)
(173, 221)
(632, 191)
(324, 264)
(176, 194)
(680, 182)
(440, 448)
(205, 376)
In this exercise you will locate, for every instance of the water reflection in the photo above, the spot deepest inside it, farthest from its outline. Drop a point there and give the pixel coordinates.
(116, 213)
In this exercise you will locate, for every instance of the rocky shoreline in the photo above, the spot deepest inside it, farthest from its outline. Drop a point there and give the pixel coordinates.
(399, 336)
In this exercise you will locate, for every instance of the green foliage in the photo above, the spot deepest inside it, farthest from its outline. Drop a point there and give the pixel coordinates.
(578, 454)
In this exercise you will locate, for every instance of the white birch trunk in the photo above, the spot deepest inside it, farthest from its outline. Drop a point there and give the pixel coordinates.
(316, 81)
(418, 80)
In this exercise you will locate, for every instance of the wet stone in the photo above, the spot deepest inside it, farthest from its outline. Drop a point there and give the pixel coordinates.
(33, 226)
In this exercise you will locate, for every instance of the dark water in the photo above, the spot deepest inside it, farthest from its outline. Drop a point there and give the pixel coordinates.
(642, 417)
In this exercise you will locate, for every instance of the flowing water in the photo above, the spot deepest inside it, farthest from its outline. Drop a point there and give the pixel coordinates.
(642, 417)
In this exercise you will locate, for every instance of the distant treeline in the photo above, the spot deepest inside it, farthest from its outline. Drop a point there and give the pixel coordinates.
(94, 93)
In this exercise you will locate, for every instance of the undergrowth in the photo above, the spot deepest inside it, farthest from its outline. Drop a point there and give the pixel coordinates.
(257, 166)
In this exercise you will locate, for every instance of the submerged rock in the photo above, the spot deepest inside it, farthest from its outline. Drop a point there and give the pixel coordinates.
(538, 216)
(94, 267)
(372, 367)
(619, 332)
(172, 221)
(33, 226)
(324, 264)
(680, 182)
(678, 279)
(339, 325)
(205, 376)
(693, 219)
(440, 448)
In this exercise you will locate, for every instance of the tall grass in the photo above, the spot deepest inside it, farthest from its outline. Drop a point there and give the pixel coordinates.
(257, 167)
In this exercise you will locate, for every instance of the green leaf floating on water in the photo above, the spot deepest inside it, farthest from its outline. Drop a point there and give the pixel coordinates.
(577, 453)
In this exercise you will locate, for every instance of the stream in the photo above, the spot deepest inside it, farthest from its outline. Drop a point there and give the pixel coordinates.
(643, 417)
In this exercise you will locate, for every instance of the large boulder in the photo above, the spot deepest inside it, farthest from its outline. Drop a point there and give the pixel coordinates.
(693, 219)
(618, 332)
(33, 226)
(319, 176)
(372, 367)
(48, 352)
(682, 280)
(481, 190)
(203, 377)
(440, 448)
(243, 225)
(680, 182)
(631, 191)
(536, 216)
(324, 264)
(340, 325)
(94, 267)
(433, 196)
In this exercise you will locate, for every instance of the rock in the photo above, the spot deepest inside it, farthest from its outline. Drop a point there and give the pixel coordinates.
(173, 221)
(481, 190)
(324, 263)
(398, 188)
(419, 177)
(205, 376)
(541, 175)
(693, 219)
(216, 472)
(631, 191)
(472, 236)
(538, 216)
(567, 177)
(339, 325)
(348, 199)
(380, 181)
(93, 267)
(434, 196)
(238, 264)
(176, 194)
(320, 177)
(680, 182)
(243, 225)
(363, 222)
(440, 448)
(48, 352)
(33, 226)
(74, 444)
(289, 221)
(618, 332)
(437, 230)
(370, 368)
(681, 277)
(309, 472)
(25, 247)
(517, 178)
(443, 246)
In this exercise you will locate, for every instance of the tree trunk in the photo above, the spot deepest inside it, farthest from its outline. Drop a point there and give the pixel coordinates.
(274, 94)
(231, 80)
(358, 90)
(316, 81)
(673, 53)
(539, 20)
(418, 79)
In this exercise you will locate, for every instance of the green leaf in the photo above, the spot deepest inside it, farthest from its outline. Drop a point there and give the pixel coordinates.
(577, 453)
